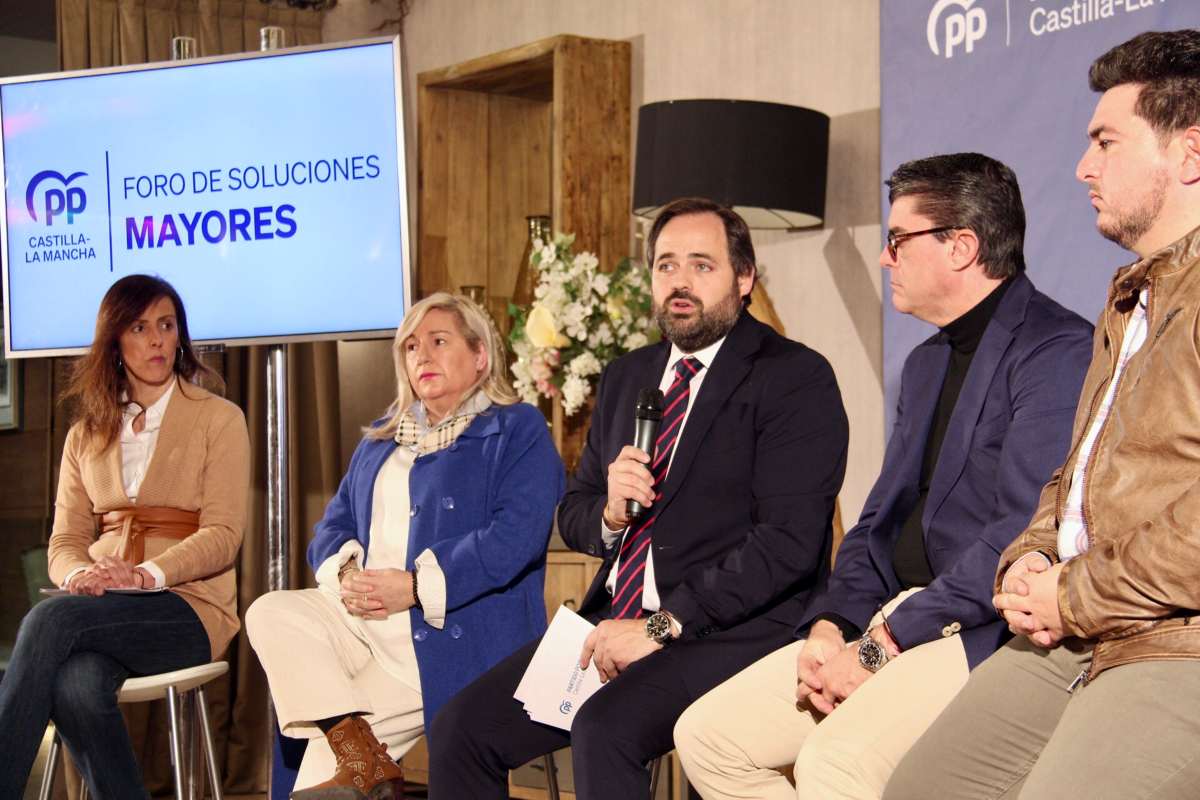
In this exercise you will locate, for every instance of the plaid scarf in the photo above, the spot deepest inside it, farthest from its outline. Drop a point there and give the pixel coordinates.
(415, 432)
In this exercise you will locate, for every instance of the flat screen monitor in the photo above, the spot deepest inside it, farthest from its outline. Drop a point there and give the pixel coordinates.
(268, 188)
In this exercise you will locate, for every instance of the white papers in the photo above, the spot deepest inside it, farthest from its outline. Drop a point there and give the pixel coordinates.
(125, 590)
(554, 687)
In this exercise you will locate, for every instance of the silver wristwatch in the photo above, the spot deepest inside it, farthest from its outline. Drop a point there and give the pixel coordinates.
(658, 627)
(871, 654)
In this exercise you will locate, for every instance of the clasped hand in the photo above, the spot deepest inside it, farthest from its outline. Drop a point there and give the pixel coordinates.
(1028, 601)
(377, 593)
(109, 572)
(827, 670)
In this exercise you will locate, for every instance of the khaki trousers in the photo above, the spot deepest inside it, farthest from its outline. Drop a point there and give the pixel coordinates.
(1015, 732)
(318, 668)
(734, 740)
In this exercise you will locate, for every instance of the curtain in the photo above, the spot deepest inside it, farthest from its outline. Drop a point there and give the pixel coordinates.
(100, 33)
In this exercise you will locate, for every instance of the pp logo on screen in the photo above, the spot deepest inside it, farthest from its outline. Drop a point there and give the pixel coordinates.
(962, 29)
(56, 200)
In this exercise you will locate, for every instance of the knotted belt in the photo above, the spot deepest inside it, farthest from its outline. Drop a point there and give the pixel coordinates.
(135, 523)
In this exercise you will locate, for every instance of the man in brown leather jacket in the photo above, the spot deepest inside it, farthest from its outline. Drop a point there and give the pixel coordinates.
(1099, 694)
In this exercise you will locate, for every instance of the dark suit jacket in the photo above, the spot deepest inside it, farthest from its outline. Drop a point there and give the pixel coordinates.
(744, 522)
(1009, 431)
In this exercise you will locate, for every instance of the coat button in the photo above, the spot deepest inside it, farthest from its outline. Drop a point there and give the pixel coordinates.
(421, 635)
(591, 548)
(448, 503)
(956, 626)
(416, 509)
(456, 632)
(453, 446)
(947, 631)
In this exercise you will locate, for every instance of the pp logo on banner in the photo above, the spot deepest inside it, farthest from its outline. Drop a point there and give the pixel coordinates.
(56, 201)
(962, 29)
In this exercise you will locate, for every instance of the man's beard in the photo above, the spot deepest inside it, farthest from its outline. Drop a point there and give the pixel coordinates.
(705, 326)
(1130, 225)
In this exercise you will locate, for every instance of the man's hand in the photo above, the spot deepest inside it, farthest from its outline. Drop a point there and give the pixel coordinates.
(615, 644)
(629, 478)
(1031, 607)
(824, 642)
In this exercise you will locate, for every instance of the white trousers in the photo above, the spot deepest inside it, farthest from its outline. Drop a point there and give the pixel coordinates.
(318, 668)
(739, 740)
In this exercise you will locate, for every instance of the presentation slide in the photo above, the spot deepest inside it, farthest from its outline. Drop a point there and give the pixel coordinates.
(269, 191)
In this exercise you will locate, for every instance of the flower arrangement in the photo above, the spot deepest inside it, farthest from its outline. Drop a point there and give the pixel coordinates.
(579, 321)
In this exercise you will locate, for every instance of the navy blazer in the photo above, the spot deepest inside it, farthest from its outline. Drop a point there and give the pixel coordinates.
(744, 521)
(1009, 431)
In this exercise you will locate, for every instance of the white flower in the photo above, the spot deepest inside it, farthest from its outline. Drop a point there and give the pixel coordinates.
(584, 364)
(574, 391)
(635, 340)
(600, 284)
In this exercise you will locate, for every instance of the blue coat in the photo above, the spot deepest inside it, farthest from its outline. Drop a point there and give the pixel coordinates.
(1008, 432)
(484, 506)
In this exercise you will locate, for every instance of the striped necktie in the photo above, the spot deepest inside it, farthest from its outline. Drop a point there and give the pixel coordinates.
(631, 567)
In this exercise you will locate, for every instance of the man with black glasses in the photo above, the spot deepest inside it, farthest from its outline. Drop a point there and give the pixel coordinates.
(982, 419)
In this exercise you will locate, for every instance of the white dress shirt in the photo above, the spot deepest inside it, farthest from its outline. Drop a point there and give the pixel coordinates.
(650, 598)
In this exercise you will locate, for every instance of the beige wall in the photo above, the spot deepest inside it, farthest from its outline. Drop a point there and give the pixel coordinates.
(823, 54)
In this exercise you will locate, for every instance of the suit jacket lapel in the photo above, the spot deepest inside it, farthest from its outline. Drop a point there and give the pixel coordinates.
(997, 338)
(733, 362)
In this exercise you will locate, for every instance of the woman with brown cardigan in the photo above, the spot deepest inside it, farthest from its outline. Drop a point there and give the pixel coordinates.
(151, 495)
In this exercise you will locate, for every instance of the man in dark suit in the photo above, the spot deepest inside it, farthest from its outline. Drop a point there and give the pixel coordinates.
(739, 497)
(983, 418)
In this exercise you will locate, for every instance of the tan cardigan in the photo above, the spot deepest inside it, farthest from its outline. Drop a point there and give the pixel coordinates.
(201, 463)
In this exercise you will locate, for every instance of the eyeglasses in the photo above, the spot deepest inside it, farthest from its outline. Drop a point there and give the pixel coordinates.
(894, 240)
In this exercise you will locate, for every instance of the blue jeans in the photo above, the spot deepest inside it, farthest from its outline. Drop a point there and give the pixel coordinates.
(71, 657)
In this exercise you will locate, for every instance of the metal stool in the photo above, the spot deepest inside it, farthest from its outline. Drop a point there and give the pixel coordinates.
(552, 776)
(184, 691)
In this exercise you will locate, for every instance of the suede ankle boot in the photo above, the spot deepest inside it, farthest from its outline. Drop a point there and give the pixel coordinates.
(364, 770)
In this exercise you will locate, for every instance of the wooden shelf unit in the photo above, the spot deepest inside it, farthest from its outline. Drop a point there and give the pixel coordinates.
(538, 129)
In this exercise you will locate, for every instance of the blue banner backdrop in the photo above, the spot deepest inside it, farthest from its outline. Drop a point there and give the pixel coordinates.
(1008, 78)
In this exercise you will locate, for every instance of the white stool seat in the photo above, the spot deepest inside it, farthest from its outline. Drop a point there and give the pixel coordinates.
(154, 687)
(183, 690)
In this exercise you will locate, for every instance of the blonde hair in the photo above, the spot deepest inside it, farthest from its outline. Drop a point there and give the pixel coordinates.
(477, 328)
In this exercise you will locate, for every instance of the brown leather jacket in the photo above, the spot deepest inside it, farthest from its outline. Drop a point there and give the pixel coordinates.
(1136, 591)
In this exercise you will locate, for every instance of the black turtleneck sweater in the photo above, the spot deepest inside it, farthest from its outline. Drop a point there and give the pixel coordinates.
(909, 558)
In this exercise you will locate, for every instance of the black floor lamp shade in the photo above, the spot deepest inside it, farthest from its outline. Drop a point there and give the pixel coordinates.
(767, 161)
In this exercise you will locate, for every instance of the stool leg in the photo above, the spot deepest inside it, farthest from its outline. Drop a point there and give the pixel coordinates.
(190, 744)
(51, 767)
(551, 777)
(176, 741)
(214, 776)
(655, 769)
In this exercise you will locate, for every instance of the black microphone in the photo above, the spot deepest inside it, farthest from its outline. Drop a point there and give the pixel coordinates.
(647, 418)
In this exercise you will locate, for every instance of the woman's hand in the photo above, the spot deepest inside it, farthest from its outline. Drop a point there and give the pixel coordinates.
(377, 593)
(90, 581)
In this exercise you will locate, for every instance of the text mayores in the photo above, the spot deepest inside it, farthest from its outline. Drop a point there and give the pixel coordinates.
(245, 224)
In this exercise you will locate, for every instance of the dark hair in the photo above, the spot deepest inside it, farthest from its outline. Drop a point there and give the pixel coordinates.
(737, 232)
(969, 190)
(98, 378)
(1167, 64)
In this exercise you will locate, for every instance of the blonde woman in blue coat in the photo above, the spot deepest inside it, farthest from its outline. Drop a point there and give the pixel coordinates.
(430, 560)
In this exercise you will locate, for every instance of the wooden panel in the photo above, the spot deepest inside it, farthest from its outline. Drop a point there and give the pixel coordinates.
(591, 145)
(525, 71)
(518, 183)
(452, 227)
(568, 576)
